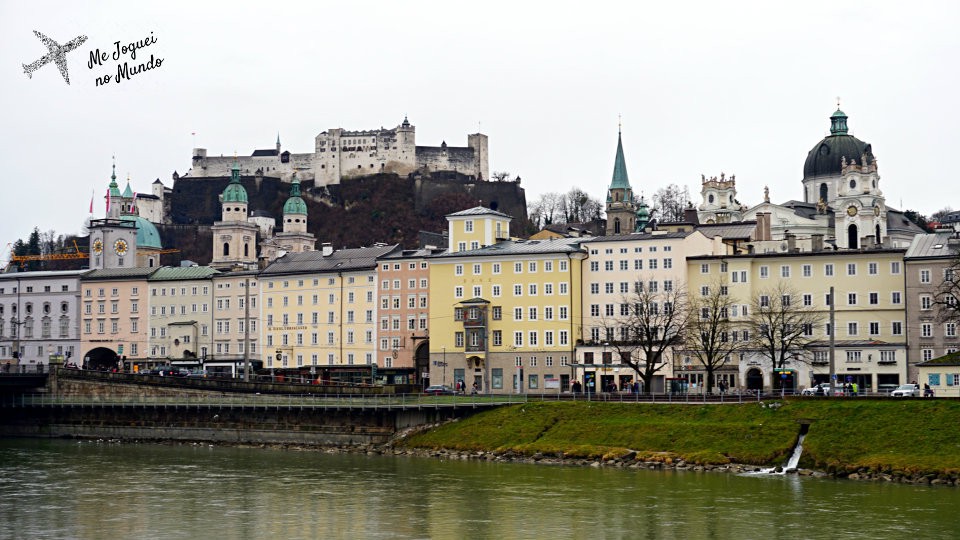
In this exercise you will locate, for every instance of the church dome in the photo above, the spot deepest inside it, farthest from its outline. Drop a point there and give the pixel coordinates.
(147, 234)
(295, 204)
(235, 192)
(824, 159)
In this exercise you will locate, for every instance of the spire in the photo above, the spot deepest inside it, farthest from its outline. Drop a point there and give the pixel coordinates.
(295, 204)
(620, 179)
(114, 188)
(278, 141)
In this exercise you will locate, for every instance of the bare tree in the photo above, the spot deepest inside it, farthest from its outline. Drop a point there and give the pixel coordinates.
(711, 336)
(650, 323)
(547, 209)
(670, 202)
(781, 326)
(947, 298)
(580, 207)
(500, 176)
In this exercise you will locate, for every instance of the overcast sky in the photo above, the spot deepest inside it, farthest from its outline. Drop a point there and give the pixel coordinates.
(703, 88)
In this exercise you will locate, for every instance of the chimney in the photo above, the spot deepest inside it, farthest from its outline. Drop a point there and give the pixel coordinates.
(762, 232)
(327, 248)
(868, 241)
(816, 242)
(690, 215)
(791, 242)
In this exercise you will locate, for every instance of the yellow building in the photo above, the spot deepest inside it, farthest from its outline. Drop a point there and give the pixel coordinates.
(236, 322)
(870, 313)
(504, 315)
(180, 314)
(318, 310)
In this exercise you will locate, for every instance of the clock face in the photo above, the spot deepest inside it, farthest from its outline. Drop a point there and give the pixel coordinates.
(852, 211)
(98, 246)
(120, 246)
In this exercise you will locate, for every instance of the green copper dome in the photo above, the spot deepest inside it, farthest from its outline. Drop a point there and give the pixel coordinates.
(147, 234)
(295, 204)
(128, 193)
(234, 192)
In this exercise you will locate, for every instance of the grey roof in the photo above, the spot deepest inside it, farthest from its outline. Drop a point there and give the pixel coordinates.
(739, 230)
(785, 254)
(517, 247)
(897, 221)
(42, 274)
(801, 208)
(636, 236)
(952, 217)
(478, 211)
(412, 253)
(338, 261)
(119, 273)
(170, 273)
(265, 152)
(935, 246)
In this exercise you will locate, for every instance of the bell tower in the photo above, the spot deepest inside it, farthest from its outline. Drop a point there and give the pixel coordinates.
(621, 207)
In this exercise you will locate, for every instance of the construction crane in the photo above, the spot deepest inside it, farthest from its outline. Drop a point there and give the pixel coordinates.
(76, 254)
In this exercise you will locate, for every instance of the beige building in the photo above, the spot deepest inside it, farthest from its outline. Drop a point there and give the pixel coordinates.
(180, 314)
(942, 375)
(114, 318)
(615, 269)
(319, 311)
(928, 261)
(870, 338)
(235, 327)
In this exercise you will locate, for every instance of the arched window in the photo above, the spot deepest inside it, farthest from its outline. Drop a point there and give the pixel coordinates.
(246, 250)
(226, 249)
(823, 192)
(852, 237)
(878, 233)
(616, 225)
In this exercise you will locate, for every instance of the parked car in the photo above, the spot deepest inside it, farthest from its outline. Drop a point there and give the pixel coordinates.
(439, 390)
(170, 371)
(906, 390)
(198, 374)
(827, 391)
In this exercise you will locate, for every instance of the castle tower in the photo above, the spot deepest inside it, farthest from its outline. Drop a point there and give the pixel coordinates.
(295, 237)
(719, 200)
(621, 209)
(234, 237)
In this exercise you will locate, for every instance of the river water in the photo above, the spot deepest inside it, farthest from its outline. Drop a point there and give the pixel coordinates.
(70, 489)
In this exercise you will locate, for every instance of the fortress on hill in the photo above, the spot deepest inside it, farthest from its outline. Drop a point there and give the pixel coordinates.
(340, 154)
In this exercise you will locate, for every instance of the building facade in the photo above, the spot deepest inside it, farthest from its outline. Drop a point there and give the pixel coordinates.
(930, 261)
(181, 315)
(115, 325)
(38, 318)
(403, 316)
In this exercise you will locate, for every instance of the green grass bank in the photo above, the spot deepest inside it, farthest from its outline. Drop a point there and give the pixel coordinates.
(880, 436)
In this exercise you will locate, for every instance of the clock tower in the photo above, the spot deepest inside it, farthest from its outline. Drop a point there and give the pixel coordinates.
(113, 241)
(860, 211)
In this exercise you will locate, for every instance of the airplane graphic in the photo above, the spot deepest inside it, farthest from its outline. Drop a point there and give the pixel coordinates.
(55, 53)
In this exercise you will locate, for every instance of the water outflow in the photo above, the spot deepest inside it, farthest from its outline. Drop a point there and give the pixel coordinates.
(791, 464)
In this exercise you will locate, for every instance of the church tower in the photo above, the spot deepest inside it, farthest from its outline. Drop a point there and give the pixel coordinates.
(621, 208)
(113, 240)
(860, 211)
(719, 200)
(234, 237)
(295, 237)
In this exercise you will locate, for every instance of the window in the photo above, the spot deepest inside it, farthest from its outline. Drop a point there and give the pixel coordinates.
(853, 357)
(851, 269)
(517, 268)
(458, 292)
(518, 314)
(518, 290)
(807, 299)
(852, 328)
(926, 330)
(874, 329)
(476, 270)
(457, 270)
(872, 268)
(924, 276)
(926, 302)
(497, 338)
(895, 297)
(852, 299)
(497, 313)
(518, 339)
(896, 328)
(785, 271)
(533, 315)
(828, 269)
(496, 268)
(468, 225)
(950, 329)
(764, 272)
(533, 338)
(895, 267)
(533, 289)
(807, 270)
(874, 298)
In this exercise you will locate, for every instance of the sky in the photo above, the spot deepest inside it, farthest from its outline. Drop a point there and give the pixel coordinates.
(743, 88)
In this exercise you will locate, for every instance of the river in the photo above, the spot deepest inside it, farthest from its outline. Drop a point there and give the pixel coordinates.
(70, 489)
